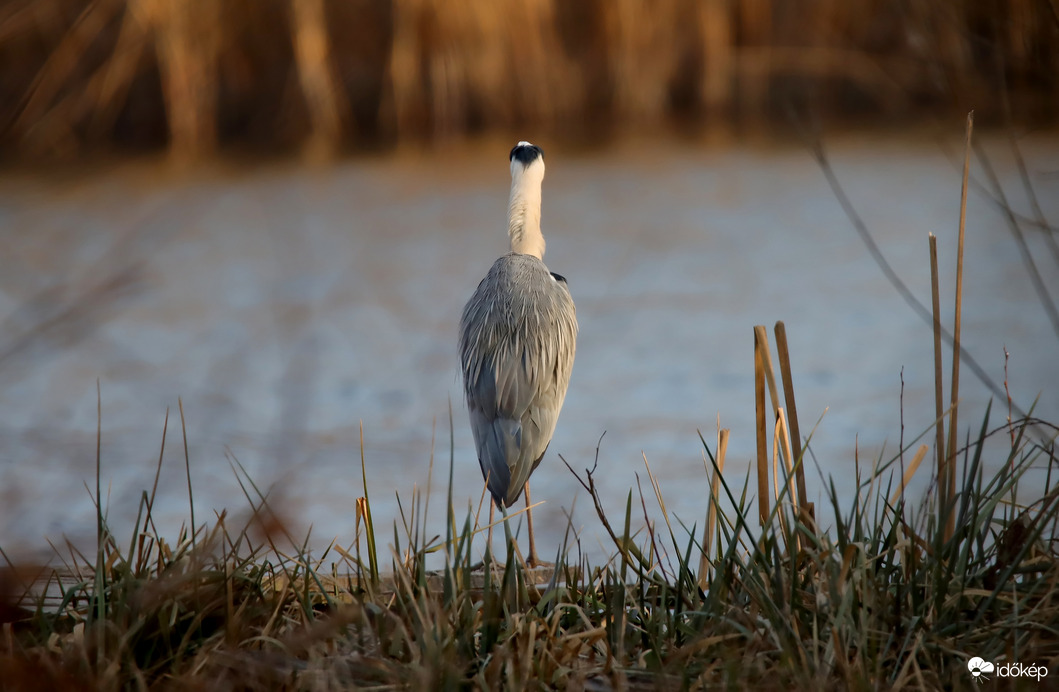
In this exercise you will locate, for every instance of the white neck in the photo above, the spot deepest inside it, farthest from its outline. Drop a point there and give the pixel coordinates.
(524, 209)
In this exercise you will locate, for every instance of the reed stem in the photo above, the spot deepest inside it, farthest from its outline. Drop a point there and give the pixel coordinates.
(708, 533)
(939, 405)
(784, 356)
(762, 439)
(950, 478)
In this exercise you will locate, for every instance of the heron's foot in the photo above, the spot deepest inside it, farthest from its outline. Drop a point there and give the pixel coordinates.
(534, 562)
(488, 560)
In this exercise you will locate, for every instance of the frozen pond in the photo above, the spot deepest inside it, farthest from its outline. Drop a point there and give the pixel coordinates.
(286, 305)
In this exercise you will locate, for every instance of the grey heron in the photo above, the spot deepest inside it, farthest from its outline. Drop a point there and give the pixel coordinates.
(518, 335)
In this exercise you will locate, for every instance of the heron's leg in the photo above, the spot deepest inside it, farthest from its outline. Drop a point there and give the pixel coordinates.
(509, 540)
(531, 559)
(489, 536)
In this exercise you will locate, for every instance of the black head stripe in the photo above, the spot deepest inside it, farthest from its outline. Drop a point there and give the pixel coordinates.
(526, 153)
(559, 277)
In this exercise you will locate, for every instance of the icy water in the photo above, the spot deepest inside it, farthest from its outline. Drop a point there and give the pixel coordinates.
(287, 305)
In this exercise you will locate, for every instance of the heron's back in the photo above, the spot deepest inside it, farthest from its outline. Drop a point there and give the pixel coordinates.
(517, 341)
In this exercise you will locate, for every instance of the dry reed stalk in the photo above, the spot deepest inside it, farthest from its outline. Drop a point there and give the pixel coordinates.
(783, 433)
(717, 40)
(34, 121)
(479, 61)
(761, 338)
(939, 406)
(784, 356)
(187, 41)
(777, 434)
(643, 52)
(403, 102)
(1015, 38)
(788, 458)
(954, 55)
(824, 20)
(110, 85)
(910, 472)
(326, 102)
(759, 409)
(878, 77)
(98, 94)
(954, 399)
(547, 84)
(485, 59)
(705, 565)
(451, 89)
(770, 374)
(755, 22)
(15, 19)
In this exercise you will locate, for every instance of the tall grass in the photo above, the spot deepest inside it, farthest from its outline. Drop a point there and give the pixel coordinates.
(880, 599)
(192, 75)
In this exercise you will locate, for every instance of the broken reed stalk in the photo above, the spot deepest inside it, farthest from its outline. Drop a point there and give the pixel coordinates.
(764, 373)
(909, 473)
(784, 356)
(763, 359)
(950, 466)
(759, 409)
(766, 361)
(705, 567)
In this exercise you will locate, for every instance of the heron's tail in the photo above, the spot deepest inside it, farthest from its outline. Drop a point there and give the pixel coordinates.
(498, 442)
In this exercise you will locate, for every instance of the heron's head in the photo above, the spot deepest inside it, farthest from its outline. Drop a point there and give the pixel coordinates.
(527, 163)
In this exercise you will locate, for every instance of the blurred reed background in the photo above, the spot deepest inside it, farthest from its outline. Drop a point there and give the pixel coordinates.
(330, 76)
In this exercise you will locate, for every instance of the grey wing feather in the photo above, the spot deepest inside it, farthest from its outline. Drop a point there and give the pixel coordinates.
(517, 341)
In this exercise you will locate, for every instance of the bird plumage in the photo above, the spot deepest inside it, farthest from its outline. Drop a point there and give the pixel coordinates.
(517, 342)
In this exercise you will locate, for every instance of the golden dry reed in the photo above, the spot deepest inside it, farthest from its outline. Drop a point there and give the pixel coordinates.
(331, 75)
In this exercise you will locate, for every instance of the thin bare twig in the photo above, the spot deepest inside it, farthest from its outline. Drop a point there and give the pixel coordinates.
(1027, 257)
(1031, 193)
(818, 152)
(589, 484)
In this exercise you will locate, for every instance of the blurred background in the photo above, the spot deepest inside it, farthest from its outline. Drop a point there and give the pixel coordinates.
(273, 211)
(198, 76)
